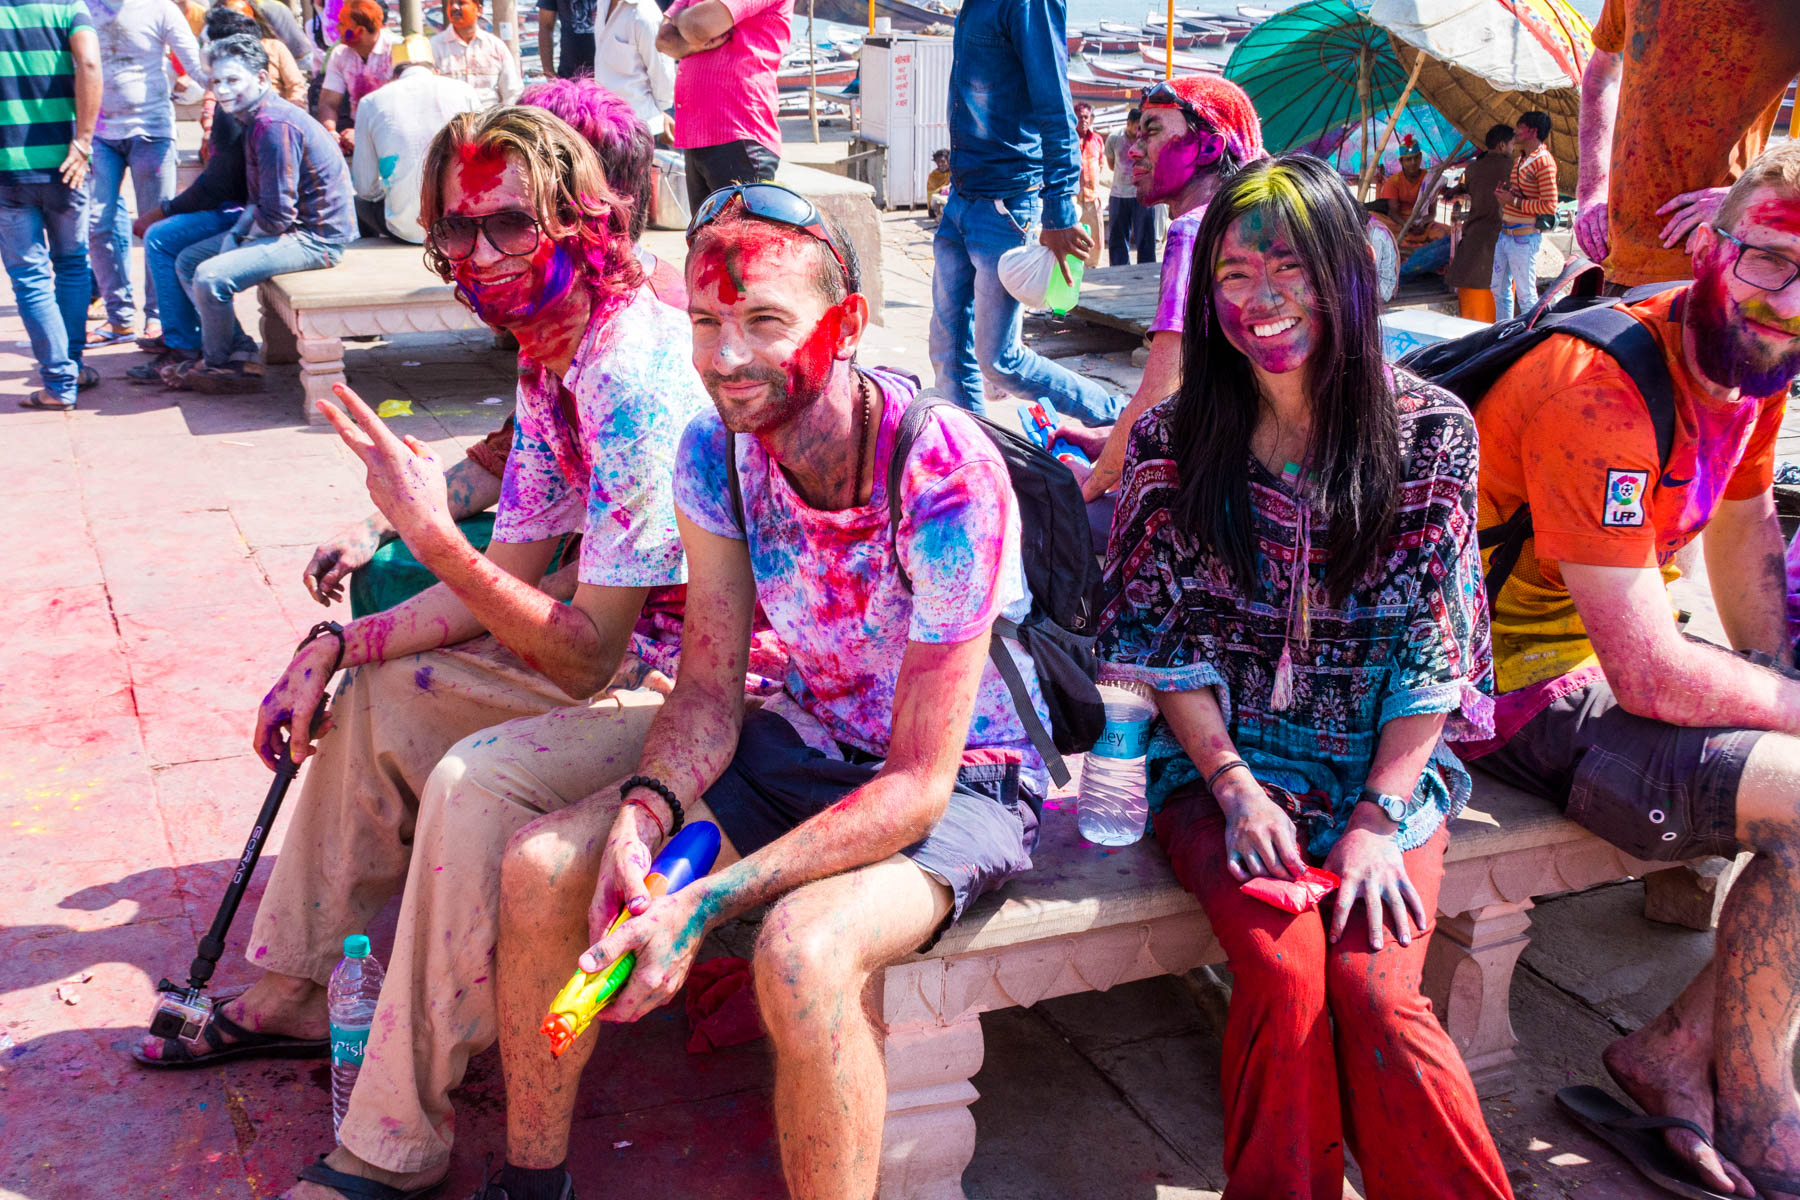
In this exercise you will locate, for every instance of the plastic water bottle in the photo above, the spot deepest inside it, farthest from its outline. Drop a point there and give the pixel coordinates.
(1110, 809)
(350, 999)
(1064, 294)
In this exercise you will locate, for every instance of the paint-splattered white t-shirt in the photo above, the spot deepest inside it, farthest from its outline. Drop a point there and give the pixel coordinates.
(595, 454)
(829, 580)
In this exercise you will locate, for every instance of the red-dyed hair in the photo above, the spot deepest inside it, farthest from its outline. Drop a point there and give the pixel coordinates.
(1224, 106)
(366, 13)
(626, 149)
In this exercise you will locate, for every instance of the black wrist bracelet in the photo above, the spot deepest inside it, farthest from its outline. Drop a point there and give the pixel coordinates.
(677, 818)
(1232, 765)
(313, 634)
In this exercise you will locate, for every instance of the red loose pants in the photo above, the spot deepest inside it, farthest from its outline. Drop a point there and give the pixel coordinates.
(1388, 1083)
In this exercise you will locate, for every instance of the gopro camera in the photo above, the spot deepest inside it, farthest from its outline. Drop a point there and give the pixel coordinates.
(180, 1013)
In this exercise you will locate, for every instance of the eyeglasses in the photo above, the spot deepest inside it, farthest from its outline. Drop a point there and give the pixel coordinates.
(1762, 269)
(510, 231)
(1212, 143)
(770, 202)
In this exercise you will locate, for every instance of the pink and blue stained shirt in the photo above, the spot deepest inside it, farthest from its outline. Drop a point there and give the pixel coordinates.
(729, 94)
(829, 584)
(594, 454)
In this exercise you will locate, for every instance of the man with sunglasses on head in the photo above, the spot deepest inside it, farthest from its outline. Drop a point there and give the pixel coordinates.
(1664, 745)
(482, 702)
(886, 785)
(1014, 170)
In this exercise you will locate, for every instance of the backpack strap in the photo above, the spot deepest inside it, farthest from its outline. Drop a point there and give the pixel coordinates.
(1628, 342)
(912, 423)
(735, 485)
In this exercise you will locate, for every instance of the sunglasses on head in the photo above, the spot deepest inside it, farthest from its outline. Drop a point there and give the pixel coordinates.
(1211, 142)
(768, 202)
(510, 231)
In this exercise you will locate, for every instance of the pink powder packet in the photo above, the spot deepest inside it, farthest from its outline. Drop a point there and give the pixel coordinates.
(1295, 896)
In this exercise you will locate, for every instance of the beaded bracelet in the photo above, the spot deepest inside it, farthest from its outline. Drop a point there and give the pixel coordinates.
(676, 816)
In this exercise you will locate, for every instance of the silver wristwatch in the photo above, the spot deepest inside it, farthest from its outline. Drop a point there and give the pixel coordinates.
(1393, 807)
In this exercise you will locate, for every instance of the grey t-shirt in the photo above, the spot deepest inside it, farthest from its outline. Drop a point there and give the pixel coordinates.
(135, 39)
(1122, 186)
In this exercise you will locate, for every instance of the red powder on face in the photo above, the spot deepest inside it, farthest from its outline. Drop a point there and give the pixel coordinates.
(1781, 215)
(481, 168)
(749, 252)
(812, 362)
(716, 271)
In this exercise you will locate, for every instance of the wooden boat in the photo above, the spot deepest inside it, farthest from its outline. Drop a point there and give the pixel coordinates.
(906, 16)
(831, 74)
(1091, 88)
(1183, 41)
(1188, 64)
(1099, 41)
(1139, 73)
(1077, 44)
(1252, 13)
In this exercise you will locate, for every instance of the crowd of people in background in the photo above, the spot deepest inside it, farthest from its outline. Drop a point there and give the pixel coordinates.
(731, 573)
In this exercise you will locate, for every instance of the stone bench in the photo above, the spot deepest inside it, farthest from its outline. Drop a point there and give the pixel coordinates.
(1089, 918)
(380, 288)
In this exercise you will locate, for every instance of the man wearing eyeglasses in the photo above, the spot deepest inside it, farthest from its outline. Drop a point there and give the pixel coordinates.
(890, 780)
(482, 702)
(1014, 178)
(1672, 748)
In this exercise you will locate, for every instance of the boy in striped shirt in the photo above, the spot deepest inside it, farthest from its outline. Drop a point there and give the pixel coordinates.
(50, 82)
(1529, 193)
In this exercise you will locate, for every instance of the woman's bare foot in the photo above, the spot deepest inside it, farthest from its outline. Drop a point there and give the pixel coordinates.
(342, 1160)
(1669, 1074)
(278, 1004)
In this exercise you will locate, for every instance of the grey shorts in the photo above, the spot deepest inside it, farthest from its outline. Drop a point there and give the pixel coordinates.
(776, 781)
(1657, 791)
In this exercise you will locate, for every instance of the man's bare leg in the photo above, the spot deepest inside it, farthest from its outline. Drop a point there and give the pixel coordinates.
(1757, 1014)
(1746, 1011)
(818, 950)
(546, 885)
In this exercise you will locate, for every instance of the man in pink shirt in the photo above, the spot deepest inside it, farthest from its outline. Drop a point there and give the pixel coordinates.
(725, 92)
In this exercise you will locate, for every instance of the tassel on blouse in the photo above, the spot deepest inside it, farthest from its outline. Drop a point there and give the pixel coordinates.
(1299, 609)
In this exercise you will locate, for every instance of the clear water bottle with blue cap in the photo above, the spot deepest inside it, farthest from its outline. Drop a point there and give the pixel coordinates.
(350, 999)
(1110, 808)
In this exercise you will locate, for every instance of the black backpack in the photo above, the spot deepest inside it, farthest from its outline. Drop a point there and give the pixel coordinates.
(1471, 364)
(1063, 576)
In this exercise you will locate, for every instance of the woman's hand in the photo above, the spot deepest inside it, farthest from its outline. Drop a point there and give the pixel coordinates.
(295, 703)
(1260, 839)
(1372, 869)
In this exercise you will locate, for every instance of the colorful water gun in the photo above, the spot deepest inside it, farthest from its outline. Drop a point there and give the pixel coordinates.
(689, 855)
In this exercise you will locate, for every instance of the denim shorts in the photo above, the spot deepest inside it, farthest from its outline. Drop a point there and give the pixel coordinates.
(776, 781)
(1657, 791)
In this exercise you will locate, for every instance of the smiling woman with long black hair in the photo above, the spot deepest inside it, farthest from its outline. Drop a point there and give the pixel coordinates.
(1294, 570)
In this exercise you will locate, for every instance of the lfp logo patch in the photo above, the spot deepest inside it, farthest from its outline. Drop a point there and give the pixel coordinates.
(1625, 491)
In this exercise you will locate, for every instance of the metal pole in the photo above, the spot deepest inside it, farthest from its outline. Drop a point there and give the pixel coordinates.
(812, 67)
(1794, 121)
(1362, 97)
(411, 20)
(1169, 44)
(506, 25)
(871, 16)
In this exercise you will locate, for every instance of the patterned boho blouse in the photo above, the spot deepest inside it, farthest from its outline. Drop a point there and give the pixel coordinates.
(1411, 638)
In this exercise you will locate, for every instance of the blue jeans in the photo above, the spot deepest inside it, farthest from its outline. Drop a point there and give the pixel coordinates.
(1514, 255)
(1129, 223)
(975, 321)
(43, 241)
(152, 165)
(163, 242)
(212, 276)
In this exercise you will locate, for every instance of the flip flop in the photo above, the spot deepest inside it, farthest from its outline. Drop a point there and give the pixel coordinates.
(40, 399)
(1772, 1181)
(1639, 1140)
(243, 1044)
(86, 378)
(355, 1187)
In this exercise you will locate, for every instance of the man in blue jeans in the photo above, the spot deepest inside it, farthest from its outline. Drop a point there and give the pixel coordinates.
(50, 74)
(210, 206)
(136, 133)
(1013, 168)
(299, 218)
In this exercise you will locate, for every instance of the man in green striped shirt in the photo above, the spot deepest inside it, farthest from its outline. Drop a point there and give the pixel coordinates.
(49, 102)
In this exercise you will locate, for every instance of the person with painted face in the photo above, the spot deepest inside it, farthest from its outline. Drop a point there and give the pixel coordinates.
(466, 51)
(398, 124)
(299, 218)
(1294, 571)
(482, 702)
(1665, 745)
(888, 782)
(362, 61)
(1194, 133)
